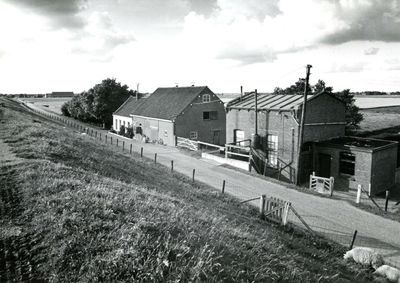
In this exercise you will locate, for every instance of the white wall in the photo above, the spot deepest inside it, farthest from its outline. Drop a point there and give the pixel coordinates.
(121, 120)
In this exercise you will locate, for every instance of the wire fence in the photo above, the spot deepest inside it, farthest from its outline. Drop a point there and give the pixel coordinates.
(164, 155)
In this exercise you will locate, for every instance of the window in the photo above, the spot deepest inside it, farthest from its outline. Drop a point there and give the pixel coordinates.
(165, 133)
(193, 135)
(210, 115)
(347, 163)
(272, 149)
(206, 98)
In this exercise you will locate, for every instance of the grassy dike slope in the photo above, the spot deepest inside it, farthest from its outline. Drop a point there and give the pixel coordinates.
(76, 210)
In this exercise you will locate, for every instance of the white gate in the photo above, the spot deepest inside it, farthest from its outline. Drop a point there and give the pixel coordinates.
(321, 185)
(187, 143)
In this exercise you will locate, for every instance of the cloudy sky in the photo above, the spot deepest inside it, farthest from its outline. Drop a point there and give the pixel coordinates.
(59, 45)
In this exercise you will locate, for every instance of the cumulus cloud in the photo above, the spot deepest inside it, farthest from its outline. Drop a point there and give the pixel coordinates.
(258, 30)
(371, 20)
(100, 38)
(60, 13)
(371, 51)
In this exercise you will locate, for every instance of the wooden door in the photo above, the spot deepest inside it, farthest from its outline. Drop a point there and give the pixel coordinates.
(324, 168)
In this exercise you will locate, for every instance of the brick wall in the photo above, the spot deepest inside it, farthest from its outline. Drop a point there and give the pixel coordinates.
(377, 168)
(191, 120)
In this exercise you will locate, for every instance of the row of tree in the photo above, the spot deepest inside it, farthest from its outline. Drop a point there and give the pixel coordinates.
(98, 103)
(353, 115)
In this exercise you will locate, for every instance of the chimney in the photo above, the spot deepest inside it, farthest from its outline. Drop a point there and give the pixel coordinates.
(241, 92)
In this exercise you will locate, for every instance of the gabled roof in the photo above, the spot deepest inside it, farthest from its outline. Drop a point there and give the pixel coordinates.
(278, 102)
(167, 103)
(265, 101)
(126, 108)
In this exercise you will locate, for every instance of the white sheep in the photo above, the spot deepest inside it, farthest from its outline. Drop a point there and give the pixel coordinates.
(391, 273)
(366, 256)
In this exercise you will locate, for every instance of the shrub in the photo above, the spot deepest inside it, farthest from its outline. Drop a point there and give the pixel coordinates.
(129, 132)
(64, 110)
(121, 130)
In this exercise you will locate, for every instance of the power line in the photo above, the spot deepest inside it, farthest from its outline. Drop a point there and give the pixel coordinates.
(280, 77)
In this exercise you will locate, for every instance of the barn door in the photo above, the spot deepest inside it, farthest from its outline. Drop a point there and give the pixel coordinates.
(324, 165)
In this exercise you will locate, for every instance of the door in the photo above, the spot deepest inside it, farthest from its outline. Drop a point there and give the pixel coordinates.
(216, 137)
(324, 165)
(238, 135)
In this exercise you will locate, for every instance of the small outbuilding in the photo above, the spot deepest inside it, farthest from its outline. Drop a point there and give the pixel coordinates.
(354, 161)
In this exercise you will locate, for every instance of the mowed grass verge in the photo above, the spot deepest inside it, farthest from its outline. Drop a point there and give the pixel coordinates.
(77, 210)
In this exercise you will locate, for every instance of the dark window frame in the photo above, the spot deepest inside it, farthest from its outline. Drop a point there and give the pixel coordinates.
(206, 98)
(347, 163)
(210, 115)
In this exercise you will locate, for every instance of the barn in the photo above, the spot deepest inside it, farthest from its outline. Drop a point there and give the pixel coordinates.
(194, 113)
(272, 123)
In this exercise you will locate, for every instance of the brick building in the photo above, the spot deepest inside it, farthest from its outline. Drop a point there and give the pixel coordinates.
(357, 161)
(277, 136)
(192, 112)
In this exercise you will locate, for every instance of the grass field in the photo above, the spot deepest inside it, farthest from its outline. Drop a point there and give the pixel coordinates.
(75, 210)
(380, 121)
(49, 104)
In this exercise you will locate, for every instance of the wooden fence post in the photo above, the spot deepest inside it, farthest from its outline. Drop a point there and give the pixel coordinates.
(358, 199)
(223, 187)
(155, 158)
(353, 240)
(286, 213)
(194, 171)
(130, 149)
(172, 165)
(331, 183)
(262, 206)
(141, 152)
(387, 200)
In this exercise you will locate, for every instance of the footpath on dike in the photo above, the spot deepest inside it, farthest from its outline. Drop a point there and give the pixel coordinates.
(334, 218)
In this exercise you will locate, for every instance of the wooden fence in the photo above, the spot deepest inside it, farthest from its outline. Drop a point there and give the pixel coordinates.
(274, 209)
(321, 184)
(238, 151)
(187, 143)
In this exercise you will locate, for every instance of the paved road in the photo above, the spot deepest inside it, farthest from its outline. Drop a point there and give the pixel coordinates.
(334, 218)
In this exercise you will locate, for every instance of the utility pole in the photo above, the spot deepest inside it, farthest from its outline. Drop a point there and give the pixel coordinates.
(302, 123)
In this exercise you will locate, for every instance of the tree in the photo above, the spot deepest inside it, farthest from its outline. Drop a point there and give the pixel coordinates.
(353, 116)
(296, 88)
(99, 103)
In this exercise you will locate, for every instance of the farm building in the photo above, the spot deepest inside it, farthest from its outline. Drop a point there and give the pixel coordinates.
(357, 161)
(121, 117)
(59, 94)
(194, 113)
(272, 136)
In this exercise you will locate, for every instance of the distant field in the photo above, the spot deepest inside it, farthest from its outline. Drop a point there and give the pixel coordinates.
(50, 104)
(377, 101)
(379, 119)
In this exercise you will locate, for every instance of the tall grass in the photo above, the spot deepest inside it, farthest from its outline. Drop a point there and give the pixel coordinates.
(92, 214)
